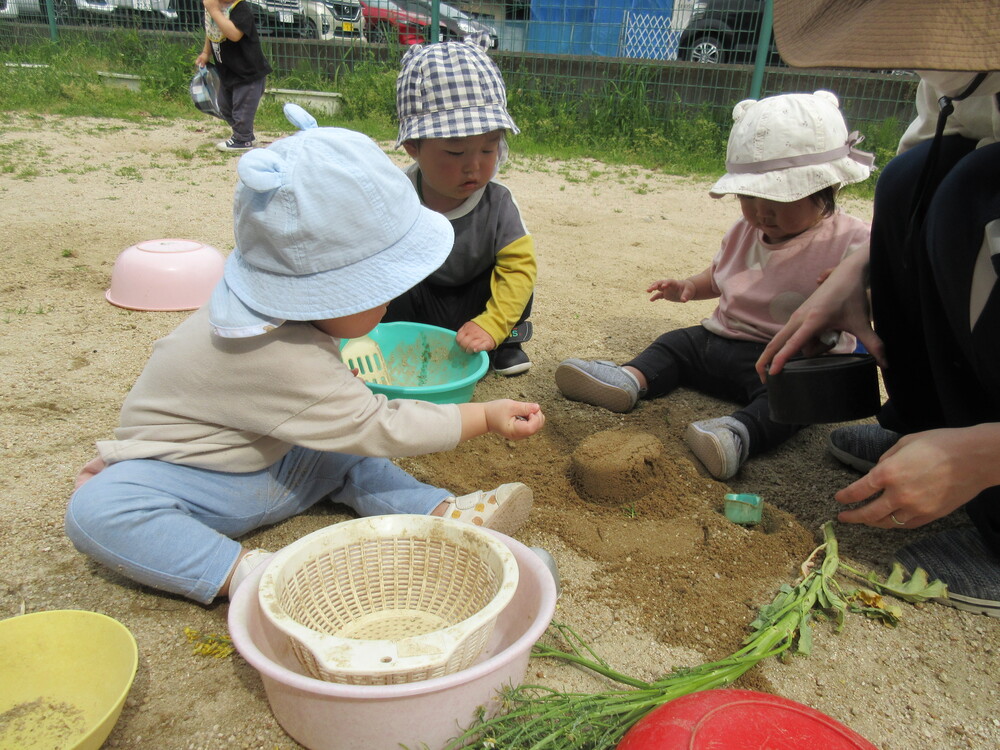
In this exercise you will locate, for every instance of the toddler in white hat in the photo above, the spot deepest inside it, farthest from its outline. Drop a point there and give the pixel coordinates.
(787, 157)
(453, 121)
(245, 415)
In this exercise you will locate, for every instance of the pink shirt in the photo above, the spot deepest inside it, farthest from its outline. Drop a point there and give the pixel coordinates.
(760, 285)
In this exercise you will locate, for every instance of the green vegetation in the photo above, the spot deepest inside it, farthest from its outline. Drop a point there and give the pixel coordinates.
(541, 718)
(614, 122)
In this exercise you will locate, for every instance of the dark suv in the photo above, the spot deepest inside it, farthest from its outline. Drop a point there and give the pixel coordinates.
(724, 31)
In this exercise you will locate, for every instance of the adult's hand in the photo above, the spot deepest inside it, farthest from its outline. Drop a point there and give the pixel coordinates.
(840, 303)
(925, 476)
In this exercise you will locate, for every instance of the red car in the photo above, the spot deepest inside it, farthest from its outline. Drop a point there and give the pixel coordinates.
(386, 22)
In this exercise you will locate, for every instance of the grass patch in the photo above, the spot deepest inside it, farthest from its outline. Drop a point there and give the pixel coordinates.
(615, 123)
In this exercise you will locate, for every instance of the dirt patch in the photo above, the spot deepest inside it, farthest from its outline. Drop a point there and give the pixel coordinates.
(654, 576)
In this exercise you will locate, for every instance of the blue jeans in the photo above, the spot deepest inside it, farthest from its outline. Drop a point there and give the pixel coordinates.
(172, 527)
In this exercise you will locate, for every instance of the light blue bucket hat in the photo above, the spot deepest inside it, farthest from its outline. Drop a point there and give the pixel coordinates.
(326, 226)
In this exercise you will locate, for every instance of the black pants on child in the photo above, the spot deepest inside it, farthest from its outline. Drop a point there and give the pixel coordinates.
(238, 104)
(944, 369)
(719, 367)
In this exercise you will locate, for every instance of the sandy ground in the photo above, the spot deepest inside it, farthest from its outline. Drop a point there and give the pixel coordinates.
(654, 576)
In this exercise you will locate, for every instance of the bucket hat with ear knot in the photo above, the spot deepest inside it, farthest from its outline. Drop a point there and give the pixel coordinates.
(787, 147)
(450, 90)
(326, 226)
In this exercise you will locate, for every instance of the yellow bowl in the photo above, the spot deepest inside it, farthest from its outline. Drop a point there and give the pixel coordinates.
(64, 677)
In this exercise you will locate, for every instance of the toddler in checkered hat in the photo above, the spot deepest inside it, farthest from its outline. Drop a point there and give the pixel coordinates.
(453, 120)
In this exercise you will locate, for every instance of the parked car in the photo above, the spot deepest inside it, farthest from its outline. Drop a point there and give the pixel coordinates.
(273, 17)
(22, 8)
(333, 19)
(724, 31)
(455, 23)
(386, 21)
(155, 12)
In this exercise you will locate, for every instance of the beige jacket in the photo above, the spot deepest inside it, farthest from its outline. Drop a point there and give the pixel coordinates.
(239, 405)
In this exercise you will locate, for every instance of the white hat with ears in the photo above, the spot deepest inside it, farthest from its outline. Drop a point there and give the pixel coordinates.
(790, 146)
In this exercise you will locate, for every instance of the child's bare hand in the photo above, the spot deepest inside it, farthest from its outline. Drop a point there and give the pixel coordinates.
(92, 468)
(513, 420)
(201, 61)
(474, 339)
(672, 290)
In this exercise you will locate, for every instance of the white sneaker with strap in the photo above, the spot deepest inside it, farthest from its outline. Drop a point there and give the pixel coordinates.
(504, 509)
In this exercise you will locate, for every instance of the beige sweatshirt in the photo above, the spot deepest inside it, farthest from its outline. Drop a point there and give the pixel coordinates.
(239, 405)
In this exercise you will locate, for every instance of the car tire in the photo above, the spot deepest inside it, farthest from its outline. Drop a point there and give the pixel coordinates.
(310, 30)
(382, 33)
(66, 12)
(706, 49)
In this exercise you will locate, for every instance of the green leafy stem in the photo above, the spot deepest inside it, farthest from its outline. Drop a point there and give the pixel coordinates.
(533, 717)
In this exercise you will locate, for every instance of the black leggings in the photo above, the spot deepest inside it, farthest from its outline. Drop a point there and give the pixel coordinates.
(943, 372)
(717, 366)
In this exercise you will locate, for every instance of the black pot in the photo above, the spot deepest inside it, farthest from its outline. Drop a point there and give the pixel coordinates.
(829, 388)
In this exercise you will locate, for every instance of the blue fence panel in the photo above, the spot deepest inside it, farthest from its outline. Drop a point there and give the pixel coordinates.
(607, 28)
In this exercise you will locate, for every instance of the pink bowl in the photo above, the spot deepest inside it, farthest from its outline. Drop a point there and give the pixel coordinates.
(165, 275)
(332, 716)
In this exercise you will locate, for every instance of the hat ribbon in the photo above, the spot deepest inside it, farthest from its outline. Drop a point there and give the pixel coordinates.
(803, 160)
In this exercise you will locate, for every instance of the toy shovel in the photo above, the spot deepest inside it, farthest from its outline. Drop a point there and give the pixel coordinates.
(364, 355)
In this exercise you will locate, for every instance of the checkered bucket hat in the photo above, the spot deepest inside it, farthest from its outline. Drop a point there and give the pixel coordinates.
(450, 90)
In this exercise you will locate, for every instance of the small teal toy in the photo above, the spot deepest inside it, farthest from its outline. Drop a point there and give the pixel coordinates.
(744, 508)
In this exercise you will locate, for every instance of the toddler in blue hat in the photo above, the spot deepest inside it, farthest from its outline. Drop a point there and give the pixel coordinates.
(453, 120)
(245, 415)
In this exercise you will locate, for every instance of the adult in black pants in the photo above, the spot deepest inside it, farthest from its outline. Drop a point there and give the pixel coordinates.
(932, 276)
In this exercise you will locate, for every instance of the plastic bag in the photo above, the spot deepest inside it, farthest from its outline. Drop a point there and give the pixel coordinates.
(205, 91)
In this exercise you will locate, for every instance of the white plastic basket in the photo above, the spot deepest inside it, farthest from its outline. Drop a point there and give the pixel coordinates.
(386, 600)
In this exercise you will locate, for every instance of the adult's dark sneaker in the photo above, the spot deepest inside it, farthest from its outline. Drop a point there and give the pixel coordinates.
(860, 446)
(234, 145)
(510, 359)
(960, 559)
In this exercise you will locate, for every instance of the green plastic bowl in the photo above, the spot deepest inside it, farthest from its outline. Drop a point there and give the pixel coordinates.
(426, 363)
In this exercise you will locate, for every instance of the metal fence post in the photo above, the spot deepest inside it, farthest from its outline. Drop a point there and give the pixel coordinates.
(763, 50)
(50, 11)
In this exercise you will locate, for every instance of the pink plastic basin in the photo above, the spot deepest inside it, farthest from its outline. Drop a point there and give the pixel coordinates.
(330, 716)
(165, 275)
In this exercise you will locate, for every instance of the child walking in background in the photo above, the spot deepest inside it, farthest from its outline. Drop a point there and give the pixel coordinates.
(787, 157)
(245, 415)
(231, 40)
(453, 120)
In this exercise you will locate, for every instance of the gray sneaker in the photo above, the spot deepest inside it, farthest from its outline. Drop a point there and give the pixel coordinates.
(722, 444)
(959, 558)
(598, 382)
(860, 446)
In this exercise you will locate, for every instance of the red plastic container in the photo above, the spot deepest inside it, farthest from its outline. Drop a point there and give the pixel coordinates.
(732, 719)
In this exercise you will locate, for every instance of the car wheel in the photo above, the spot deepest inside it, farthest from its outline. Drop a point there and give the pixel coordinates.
(66, 11)
(382, 33)
(310, 30)
(706, 49)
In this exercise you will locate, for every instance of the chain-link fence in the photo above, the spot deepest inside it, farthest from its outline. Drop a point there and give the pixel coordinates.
(674, 53)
